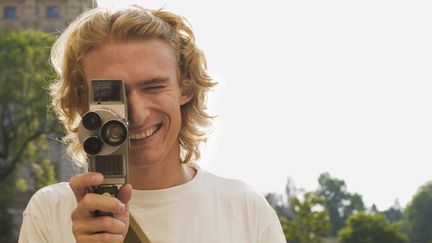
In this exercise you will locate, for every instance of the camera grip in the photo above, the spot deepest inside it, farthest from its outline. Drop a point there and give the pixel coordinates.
(108, 190)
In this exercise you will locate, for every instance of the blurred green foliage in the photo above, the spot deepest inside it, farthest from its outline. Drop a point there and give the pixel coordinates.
(24, 100)
(44, 173)
(306, 216)
(372, 228)
(25, 121)
(310, 219)
(339, 203)
(6, 224)
(418, 215)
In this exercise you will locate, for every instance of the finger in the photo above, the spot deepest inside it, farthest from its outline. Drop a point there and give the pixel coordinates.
(125, 193)
(81, 182)
(101, 237)
(92, 202)
(104, 224)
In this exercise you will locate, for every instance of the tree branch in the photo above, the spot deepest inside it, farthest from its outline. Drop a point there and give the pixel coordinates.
(11, 167)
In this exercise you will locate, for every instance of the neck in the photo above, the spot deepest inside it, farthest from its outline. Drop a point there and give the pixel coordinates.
(163, 174)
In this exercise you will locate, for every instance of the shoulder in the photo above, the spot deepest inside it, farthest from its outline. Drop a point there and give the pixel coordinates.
(233, 186)
(53, 197)
(47, 215)
(53, 193)
(238, 192)
(244, 202)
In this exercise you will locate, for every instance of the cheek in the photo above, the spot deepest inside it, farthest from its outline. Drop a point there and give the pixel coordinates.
(167, 105)
(176, 115)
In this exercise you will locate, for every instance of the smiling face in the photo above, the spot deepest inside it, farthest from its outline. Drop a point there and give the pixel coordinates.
(149, 71)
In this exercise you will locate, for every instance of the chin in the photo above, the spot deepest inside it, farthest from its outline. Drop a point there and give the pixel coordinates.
(140, 160)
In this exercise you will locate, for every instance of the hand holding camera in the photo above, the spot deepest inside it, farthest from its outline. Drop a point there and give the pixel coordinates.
(86, 227)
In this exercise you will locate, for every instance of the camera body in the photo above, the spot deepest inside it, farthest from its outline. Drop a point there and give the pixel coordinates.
(103, 133)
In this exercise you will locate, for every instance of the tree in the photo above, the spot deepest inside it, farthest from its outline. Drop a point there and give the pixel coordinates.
(363, 228)
(394, 213)
(302, 215)
(24, 120)
(339, 203)
(418, 215)
(374, 209)
(6, 218)
(310, 220)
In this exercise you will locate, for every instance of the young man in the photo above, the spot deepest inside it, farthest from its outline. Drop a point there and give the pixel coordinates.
(172, 200)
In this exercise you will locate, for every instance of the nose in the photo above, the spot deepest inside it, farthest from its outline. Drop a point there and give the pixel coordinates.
(137, 109)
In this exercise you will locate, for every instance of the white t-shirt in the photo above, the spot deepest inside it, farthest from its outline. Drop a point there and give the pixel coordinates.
(206, 209)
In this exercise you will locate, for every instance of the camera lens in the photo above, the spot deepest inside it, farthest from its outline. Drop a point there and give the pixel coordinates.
(114, 132)
(92, 145)
(92, 120)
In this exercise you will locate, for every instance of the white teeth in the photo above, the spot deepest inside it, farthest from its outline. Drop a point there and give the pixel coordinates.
(147, 133)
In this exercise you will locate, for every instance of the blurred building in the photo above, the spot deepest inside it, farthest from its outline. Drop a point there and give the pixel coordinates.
(47, 15)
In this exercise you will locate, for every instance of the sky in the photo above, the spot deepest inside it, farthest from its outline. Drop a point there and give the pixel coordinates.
(307, 87)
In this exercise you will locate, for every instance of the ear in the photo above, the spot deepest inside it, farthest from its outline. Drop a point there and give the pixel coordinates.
(186, 90)
(185, 97)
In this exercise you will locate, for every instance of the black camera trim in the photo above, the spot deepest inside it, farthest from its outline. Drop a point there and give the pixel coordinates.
(90, 142)
(92, 120)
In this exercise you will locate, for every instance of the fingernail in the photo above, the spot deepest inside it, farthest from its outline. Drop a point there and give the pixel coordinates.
(121, 207)
(97, 177)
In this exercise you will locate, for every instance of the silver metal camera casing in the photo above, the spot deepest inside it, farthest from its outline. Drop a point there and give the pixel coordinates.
(111, 160)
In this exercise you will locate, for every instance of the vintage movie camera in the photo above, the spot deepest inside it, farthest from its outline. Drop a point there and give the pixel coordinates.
(103, 132)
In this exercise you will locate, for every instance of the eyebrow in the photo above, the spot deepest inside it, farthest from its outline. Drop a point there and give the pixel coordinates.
(147, 82)
(152, 81)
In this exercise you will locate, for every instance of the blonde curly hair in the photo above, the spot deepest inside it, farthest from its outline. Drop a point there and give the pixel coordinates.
(96, 27)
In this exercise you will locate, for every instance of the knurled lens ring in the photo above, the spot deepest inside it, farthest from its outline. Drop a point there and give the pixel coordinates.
(114, 132)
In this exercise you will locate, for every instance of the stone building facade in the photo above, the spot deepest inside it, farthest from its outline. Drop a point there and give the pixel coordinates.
(50, 16)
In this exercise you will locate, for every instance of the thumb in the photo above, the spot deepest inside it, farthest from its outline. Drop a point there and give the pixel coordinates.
(125, 193)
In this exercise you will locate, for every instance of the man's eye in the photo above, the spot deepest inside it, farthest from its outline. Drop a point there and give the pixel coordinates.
(153, 88)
